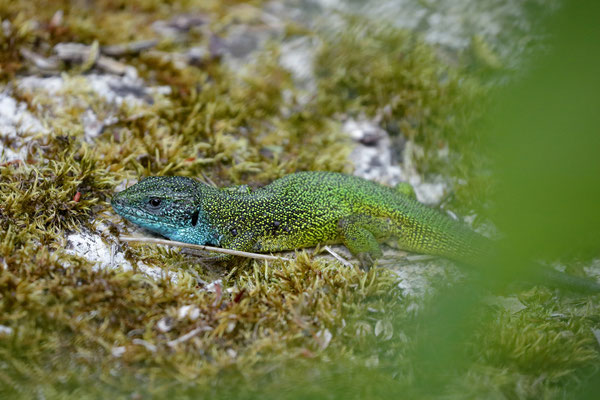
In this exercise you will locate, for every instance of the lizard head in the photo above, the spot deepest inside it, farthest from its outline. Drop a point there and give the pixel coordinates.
(167, 205)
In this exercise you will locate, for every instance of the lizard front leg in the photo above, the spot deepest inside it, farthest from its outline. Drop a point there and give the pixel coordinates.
(360, 234)
(234, 240)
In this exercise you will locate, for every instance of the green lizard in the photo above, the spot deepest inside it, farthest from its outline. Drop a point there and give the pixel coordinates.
(302, 210)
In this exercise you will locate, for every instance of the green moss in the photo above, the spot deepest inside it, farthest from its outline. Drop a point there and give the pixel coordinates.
(41, 202)
(105, 21)
(541, 326)
(382, 72)
(532, 353)
(270, 311)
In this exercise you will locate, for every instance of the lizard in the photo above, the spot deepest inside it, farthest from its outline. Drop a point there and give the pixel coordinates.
(305, 209)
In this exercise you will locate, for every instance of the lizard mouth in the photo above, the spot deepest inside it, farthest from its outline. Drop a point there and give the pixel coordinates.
(141, 218)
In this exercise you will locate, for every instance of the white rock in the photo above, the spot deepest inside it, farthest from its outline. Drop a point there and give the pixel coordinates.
(190, 311)
(16, 123)
(92, 247)
(5, 330)
(118, 351)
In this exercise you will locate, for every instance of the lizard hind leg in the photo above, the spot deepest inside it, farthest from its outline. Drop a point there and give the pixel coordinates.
(360, 234)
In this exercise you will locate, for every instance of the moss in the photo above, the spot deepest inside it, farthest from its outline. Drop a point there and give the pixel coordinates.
(41, 202)
(86, 314)
(541, 326)
(389, 74)
(105, 21)
(532, 353)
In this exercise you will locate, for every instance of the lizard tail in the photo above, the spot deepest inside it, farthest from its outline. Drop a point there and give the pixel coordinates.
(432, 232)
(427, 231)
(561, 280)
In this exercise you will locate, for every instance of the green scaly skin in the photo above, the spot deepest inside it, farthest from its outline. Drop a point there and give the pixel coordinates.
(301, 210)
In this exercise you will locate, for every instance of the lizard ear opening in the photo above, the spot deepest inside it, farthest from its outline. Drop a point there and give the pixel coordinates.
(195, 218)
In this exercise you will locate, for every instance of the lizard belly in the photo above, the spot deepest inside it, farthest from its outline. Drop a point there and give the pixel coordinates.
(267, 244)
(308, 236)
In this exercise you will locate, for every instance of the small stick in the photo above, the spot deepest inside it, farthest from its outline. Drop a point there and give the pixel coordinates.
(419, 257)
(188, 336)
(208, 180)
(338, 257)
(201, 247)
(130, 48)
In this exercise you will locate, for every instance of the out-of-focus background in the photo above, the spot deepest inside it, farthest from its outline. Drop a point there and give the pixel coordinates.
(488, 108)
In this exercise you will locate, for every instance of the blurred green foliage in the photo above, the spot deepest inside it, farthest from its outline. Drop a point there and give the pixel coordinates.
(544, 143)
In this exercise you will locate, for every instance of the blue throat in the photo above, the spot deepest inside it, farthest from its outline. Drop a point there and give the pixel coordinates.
(199, 234)
(196, 231)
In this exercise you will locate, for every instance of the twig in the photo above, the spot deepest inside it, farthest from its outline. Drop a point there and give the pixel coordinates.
(40, 62)
(419, 257)
(201, 247)
(208, 180)
(337, 257)
(88, 57)
(130, 48)
(111, 65)
(188, 336)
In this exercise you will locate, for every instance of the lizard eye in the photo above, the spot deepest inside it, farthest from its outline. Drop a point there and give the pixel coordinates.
(154, 201)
